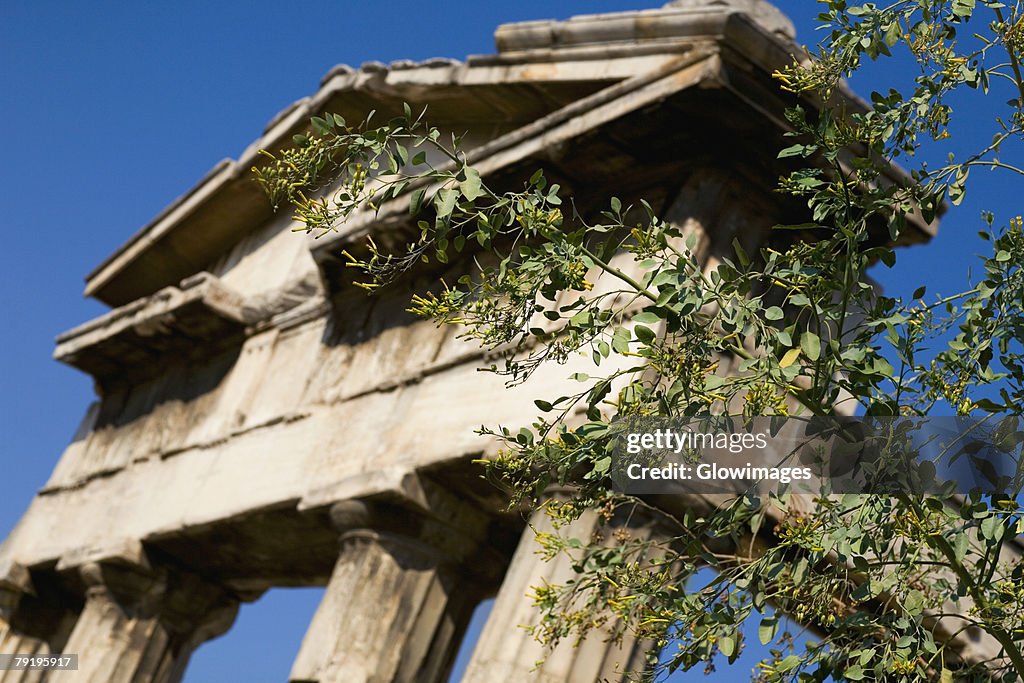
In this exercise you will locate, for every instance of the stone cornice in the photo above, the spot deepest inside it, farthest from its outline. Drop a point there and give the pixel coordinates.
(676, 21)
(114, 348)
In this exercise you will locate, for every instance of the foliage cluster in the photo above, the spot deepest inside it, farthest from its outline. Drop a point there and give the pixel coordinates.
(888, 582)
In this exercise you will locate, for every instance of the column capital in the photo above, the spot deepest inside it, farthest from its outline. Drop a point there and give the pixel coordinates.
(15, 581)
(348, 515)
(198, 607)
(141, 620)
(131, 585)
(183, 601)
(448, 531)
(408, 503)
(362, 514)
(33, 612)
(400, 530)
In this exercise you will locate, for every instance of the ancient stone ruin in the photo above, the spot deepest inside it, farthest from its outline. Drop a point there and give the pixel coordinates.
(254, 407)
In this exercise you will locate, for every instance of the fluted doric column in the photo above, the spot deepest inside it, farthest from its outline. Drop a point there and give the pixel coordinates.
(140, 625)
(30, 624)
(393, 609)
(16, 642)
(507, 652)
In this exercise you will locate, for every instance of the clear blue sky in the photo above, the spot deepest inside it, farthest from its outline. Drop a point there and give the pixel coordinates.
(113, 109)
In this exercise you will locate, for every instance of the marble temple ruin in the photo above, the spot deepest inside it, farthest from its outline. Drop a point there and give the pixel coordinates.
(260, 422)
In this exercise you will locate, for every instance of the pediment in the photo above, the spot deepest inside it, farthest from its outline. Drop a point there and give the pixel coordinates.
(540, 68)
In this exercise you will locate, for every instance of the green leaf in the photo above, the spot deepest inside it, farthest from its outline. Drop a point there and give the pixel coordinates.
(892, 35)
(543, 405)
(883, 367)
(864, 591)
(789, 663)
(854, 673)
(773, 313)
(444, 201)
(620, 340)
(593, 430)
(644, 334)
(992, 528)
(471, 186)
(914, 604)
(416, 201)
(766, 631)
(581, 319)
(963, 8)
(811, 345)
(797, 150)
(727, 645)
(647, 317)
(960, 546)
(741, 253)
(989, 405)
(712, 382)
(321, 126)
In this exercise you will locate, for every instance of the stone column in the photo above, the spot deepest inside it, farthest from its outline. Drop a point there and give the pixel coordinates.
(393, 610)
(30, 623)
(507, 652)
(14, 643)
(140, 625)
